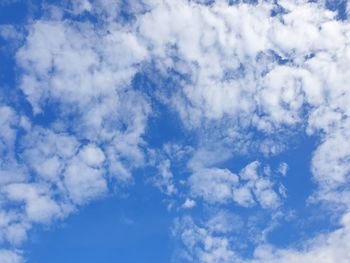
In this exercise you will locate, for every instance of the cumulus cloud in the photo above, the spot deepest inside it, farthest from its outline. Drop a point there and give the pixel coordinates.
(249, 70)
(213, 241)
(213, 185)
(332, 247)
(243, 71)
(78, 79)
(10, 257)
(202, 243)
(83, 182)
(216, 185)
(188, 204)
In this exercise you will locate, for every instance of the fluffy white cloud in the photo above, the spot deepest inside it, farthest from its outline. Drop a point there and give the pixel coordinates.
(47, 152)
(232, 53)
(10, 169)
(188, 204)
(213, 185)
(92, 155)
(39, 206)
(76, 69)
(213, 241)
(10, 256)
(329, 248)
(79, 79)
(204, 244)
(12, 229)
(216, 185)
(245, 70)
(243, 196)
(83, 182)
(330, 162)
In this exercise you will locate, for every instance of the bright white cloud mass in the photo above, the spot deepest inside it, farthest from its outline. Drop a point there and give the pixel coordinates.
(245, 82)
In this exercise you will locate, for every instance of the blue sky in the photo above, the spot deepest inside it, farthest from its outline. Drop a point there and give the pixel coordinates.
(174, 131)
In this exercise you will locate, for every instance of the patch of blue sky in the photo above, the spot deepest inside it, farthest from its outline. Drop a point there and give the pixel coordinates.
(125, 228)
(339, 6)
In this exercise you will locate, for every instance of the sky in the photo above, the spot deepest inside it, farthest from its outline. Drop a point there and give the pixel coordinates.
(180, 131)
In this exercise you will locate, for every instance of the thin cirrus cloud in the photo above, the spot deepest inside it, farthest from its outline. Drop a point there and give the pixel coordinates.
(246, 78)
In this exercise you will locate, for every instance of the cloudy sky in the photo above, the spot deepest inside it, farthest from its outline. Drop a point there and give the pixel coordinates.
(180, 131)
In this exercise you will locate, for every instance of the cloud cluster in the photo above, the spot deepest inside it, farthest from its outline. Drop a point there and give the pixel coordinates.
(217, 185)
(203, 243)
(270, 68)
(267, 69)
(84, 132)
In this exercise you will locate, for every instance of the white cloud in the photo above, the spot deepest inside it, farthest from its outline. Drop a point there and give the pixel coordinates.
(81, 6)
(213, 185)
(308, 89)
(212, 41)
(10, 169)
(250, 173)
(283, 168)
(221, 186)
(92, 155)
(76, 68)
(8, 256)
(94, 131)
(330, 162)
(12, 229)
(232, 55)
(83, 182)
(329, 248)
(243, 196)
(165, 179)
(212, 242)
(188, 204)
(47, 152)
(8, 133)
(203, 244)
(224, 222)
(265, 195)
(39, 205)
